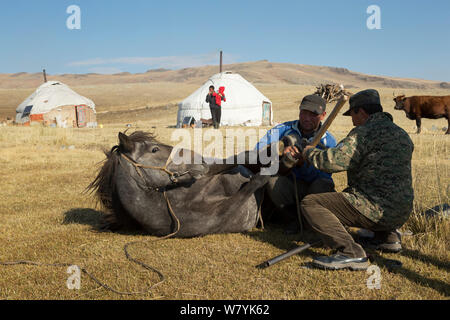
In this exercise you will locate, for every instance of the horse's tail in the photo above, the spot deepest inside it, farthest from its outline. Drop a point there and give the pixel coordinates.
(104, 187)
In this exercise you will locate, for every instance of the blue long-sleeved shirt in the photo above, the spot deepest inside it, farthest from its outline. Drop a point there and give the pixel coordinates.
(306, 172)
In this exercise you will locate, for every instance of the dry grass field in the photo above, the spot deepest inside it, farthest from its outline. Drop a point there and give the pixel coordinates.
(46, 217)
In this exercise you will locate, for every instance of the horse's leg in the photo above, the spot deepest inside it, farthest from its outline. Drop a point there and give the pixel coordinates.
(249, 159)
(232, 210)
(252, 159)
(225, 165)
(206, 167)
(217, 168)
(255, 183)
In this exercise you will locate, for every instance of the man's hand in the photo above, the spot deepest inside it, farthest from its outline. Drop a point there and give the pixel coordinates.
(305, 150)
(293, 150)
(295, 153)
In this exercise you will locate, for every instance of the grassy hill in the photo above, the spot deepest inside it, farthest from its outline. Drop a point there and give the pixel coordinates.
(162, 87)
(256, 72)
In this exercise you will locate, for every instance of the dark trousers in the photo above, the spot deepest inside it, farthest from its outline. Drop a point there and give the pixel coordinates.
(328, 213)
(216, 113)
(281, 191)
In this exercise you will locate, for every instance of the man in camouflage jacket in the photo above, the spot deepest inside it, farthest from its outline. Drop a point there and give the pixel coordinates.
(377, 157)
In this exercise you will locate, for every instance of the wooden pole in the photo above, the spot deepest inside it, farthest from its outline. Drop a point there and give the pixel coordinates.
(221, 60)
(323, 129)
(45, 75)
(329, 120)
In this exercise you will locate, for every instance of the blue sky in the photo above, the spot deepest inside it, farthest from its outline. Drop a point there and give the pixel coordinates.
(137, 35)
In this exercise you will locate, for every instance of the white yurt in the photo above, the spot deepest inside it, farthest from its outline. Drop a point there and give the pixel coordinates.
(55, 104)
(244, 104)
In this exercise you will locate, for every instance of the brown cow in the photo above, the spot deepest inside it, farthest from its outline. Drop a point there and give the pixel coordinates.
(430, 107)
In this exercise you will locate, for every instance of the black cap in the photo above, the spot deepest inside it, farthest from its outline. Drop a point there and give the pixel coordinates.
(314, 103)
(362, 98)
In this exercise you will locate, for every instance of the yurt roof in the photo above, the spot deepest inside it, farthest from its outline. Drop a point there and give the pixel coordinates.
(51, 95)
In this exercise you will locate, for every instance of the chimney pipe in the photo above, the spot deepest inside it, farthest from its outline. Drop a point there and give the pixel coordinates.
(45, 75)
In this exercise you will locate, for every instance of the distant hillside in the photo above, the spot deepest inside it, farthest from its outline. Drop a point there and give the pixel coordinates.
(256, 72)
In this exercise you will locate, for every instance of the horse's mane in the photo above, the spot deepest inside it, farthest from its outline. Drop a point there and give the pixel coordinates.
(142, 136)
(104, 185)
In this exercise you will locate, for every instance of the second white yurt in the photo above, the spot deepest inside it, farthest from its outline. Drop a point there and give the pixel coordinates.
(55, 104)
(244, 105)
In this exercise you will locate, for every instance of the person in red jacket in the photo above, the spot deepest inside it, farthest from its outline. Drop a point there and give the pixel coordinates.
(212, 98)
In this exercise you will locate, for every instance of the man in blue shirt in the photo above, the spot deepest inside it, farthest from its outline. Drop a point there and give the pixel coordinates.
(281, 189)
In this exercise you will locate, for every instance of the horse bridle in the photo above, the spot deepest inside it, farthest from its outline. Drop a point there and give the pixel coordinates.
(172, 175)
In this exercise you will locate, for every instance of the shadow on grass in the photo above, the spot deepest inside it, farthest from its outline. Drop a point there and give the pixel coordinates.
(438, 285)
(417, 255)
(83, 216)
(95, 219)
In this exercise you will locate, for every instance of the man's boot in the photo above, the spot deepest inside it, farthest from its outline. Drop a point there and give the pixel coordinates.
(388, 241)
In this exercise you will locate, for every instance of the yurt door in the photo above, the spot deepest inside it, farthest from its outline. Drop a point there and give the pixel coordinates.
(81, 116)
(266, 113)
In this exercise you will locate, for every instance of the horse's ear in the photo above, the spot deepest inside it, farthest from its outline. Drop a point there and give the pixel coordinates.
(125, 143)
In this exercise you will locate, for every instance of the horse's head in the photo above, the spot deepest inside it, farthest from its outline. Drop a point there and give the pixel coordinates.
(154, 158)
(143, 147)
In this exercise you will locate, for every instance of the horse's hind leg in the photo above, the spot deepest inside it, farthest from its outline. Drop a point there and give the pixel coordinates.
(257, 181)
(234, 210)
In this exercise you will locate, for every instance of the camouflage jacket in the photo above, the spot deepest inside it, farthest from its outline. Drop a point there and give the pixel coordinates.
(377, 158)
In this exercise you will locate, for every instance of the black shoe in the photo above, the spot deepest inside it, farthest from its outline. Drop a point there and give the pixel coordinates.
(394, 247)
(339, 261)
(389, 247)
(385, 241)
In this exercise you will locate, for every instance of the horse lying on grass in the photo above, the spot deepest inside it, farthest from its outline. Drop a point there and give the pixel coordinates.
(142, 189)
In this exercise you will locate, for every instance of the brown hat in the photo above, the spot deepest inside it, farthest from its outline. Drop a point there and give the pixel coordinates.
(314, 103)
(362, 98)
